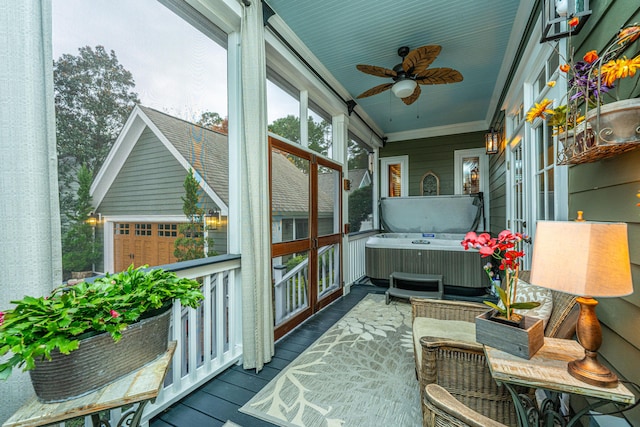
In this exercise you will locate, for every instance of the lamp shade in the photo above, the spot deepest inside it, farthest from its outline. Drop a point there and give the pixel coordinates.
(404, 88)
(582, 258)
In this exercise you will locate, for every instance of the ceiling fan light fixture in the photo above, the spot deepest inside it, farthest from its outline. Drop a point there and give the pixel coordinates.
(403, 88)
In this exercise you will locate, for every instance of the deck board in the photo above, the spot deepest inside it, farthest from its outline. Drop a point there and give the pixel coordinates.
(219, 400)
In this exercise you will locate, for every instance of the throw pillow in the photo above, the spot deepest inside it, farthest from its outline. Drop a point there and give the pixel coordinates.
(527, 292)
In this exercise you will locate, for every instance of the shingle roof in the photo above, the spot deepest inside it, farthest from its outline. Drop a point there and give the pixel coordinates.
(206, 150)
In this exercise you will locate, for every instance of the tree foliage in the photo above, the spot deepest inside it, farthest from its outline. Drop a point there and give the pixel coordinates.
(214, 121)
(289, 128)
(358, 156)
(190, 245)
(360, 206)
(79, 248)
(93, 98)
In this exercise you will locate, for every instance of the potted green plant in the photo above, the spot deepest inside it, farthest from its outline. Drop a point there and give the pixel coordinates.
(44, 333)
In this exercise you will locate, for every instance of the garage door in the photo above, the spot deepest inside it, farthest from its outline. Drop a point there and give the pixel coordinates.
(143, 243)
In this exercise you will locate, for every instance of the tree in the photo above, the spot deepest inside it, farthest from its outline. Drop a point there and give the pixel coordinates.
(191, 244)
(214, 122)
(79, 248)
(358, 156)
(93, 98)
(289, 128)
(360, 206)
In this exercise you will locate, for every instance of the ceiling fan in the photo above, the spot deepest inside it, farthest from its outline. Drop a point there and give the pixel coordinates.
(412, 72)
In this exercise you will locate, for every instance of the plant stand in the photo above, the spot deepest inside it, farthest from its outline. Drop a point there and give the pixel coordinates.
(141, 386)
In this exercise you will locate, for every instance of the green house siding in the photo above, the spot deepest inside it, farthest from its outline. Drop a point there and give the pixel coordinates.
(606, 191)
(498, 192)
(150, 182)
(433, 154)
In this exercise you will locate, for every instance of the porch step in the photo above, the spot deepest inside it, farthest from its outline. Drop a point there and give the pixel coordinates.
(414, 285)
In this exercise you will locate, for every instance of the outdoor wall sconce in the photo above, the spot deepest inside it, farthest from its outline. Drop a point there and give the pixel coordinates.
(212, 219)
(92, 219)
(492, 141)
(556, 15)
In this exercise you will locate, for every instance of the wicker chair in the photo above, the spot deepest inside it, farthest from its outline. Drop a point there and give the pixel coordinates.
(461, 367)
(441, 409)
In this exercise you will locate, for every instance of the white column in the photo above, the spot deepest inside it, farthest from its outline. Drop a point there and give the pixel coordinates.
(340, 133)
(234, 97)
(29, 214)
(304, 118)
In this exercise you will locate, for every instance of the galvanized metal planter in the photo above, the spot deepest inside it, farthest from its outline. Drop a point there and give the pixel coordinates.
(99, 360)
(522, 342)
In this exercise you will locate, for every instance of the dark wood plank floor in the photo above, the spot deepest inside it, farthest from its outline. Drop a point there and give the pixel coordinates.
(219, 400)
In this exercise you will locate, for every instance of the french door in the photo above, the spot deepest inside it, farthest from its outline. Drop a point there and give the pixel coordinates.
(305, 196)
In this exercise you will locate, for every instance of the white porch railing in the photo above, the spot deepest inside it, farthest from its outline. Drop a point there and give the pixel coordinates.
(290, 288)
(216, 339)
(355, 251)
(209, 339)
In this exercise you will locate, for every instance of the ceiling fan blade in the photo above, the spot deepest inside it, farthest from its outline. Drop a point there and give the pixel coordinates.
(412, 98)
(375, 90)
(420, 58)
(438, 76)
(376, 71)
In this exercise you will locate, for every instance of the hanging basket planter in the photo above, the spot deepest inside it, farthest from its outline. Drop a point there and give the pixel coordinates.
(611, 130)
(99, 360)
(617, 123)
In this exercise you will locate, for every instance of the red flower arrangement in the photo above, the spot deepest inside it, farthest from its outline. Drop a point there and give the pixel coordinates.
(506, 249)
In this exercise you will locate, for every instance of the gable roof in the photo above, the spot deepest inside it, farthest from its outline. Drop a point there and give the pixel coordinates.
(204, 151)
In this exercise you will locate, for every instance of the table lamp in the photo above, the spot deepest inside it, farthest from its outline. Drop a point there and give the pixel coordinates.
(588, 259)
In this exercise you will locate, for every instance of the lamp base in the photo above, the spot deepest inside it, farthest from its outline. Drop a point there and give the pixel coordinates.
(590, 371)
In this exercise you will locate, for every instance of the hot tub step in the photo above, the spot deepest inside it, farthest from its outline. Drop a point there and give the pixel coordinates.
(415, 285)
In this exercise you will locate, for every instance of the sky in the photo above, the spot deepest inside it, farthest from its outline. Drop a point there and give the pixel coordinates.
(176, 69)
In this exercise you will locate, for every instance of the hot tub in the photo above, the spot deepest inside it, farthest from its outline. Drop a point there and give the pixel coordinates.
(437, 251)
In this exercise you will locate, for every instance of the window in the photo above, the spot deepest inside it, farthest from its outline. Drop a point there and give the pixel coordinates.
(121, 229)
(143, 229)
(168, 230)
(394, 176)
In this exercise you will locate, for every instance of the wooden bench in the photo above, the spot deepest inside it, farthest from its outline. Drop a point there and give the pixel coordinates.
(432, 283)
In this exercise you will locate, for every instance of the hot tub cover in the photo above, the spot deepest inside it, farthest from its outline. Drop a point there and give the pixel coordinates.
(435, 214)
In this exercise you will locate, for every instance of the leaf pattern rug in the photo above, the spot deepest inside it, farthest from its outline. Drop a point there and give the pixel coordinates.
(359, 373)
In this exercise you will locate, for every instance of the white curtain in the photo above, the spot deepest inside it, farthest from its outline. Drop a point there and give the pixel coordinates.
(30, 253)
(257, 313)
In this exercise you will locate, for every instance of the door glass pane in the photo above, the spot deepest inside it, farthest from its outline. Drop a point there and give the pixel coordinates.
(395, 180)
(328, 269)
(540, 201)
(470, 175)
(328, 202)
(289, 197)
(550, 195)
(290, 285)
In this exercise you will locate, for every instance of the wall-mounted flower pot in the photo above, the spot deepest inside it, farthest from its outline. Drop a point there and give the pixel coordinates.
(523, 341)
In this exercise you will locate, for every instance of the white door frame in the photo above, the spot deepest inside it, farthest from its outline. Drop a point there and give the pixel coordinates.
(480, 153)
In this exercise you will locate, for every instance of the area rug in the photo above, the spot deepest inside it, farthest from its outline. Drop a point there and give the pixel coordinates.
(359, 373)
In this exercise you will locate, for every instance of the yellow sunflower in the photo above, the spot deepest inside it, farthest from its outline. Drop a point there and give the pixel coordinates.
(619, 69)
(539, 110)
